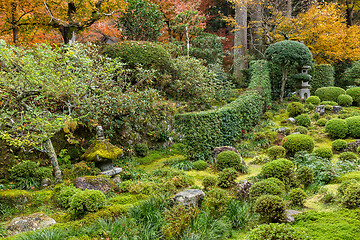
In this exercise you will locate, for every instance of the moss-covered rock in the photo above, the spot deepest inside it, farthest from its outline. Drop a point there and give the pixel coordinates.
(101, 150)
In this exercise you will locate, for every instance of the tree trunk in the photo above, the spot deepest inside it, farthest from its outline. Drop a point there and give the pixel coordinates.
(349, 16)
(258, 43)
(284, 78)
(52, 155)
(288, 8)
(240, 41)
(15, 27)
(68, 34)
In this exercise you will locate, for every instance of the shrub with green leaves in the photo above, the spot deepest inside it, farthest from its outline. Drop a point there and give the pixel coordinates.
(355, 94)
(321, 122)
(345, 100)
(274, 231)
(303, 120)
(329, 103)
(228, 159)
(301, 129)
(296, 143)
(65, 195)
(304, 175)
(348, 156)
(336, 128)
(297, 197)
(350, 175)
(351, 198)
(271, 208)
(275, 152)
(353, 124)
(87, 201)
(322, 76)
(281, 168)
(141, 149)
(227, 177)
(323, 152)
(344, 185)
(329, 93)
(339, 145)
(270, 186)
(200, 165)
(209, 181)
(216, 200)
(295, 108)
(315, 100)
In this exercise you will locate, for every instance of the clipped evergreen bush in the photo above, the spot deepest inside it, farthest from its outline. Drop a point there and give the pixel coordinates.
(336, 128)
(303, 120)
(339, 145)
(281, 168)
(329, 103)
(275, 152)
(301, 129)
(141, 149)
(315, 100)
(322, 76)
(351, 198)
(216, 200)
(87, 201)
(227, 177)
(296, 143)
(228, 159)
(329, 93)
(348, 156)
(271, 208)
(209, 181)
(297, 197)
(270, 186)
(276, 231)
(323, 152)
(344, 185)
(65, 195)
(355, 94)
(200, 165)
(353, 124)
(304, 175)
(321, 122)
(295, 108)
(345, 100)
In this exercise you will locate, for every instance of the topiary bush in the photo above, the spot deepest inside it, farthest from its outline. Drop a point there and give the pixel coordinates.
(303, 120)
(315, 100)
(329, 103)
(304, 175)
(141, 149)
(336, 128)
(271, 208)
(329, 93)
(209, 181)
(345, 100)
(268, 186)
(355, 94)
(344, 185)
(301, 129)
(353, 125)
(295, 108)
(351, 198)
(298, 142)
(324, 152)
(200, 165)
(339, 145)
(65, 195)
(321, 122)
(227, 177)
(275, 152)
(348, 156)
(216, 200)
(228, 159)
(87, 201)
(281, 168)
(275, 231)
(297, 197)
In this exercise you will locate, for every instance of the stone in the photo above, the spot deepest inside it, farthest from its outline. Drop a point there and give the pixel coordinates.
(291, 120)
(96, 183)
(290, 215)
(284, 131)
(337, 109)
(116, 179)
(112, 172)
(193, 197)
(218, 150)
(31, 222)
(352, 146)
(320, 109)
(243, 189)
(46, 182)
(295, 133)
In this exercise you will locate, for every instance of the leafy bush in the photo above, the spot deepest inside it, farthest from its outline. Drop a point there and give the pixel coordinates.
(353, 124)
(339, 145)
(209, 181)
(323, 152)
(315, 100)
(344, 100)
(329, 103)
(207, 47)
(227, 177)
(65, 195)
(329, 93)
(343, 186)
(228, 159)
(270, 186)
(297, 197)
(87, 201)
(276, 231)
(178, 177)
(321, 122)
(216, 200)
(275, 152)
(303, 120)
(322, 76)
(304, 175)
(350, 175)
(141, 149)
(351, 198)
(295, 108)
(271, 208)
(336, 128)
(301, 129)
(200, 165)
(298, 142)
(355, 94)
(348, 156)
(282, 169)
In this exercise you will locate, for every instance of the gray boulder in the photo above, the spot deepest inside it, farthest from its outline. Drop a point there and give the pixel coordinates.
(96, 183)
(337, 109)
(284, 131)
(243, 188)
(290, 215)
(320, 109)
(31, 222)
(193, 197)
(290, 120)
(352, 146)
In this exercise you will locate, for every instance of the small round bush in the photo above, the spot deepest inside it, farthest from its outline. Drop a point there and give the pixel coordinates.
(315, 100)
(87, 201)
(329, 103)
(266, 187)
(315, 116)
(275, 152)
(303, 120)
(281, 168)
(298, 142)
(321, 122)
(351, 198)
(216, 200)
(347, 156)
(344, 185)
(200, 165)
(301, 129)
(228, 159)
(344, 100)
(339, 145)
(141, 149)
(336, 128)
(274, 231)
(323, 152)
(26, 169)
(271, 208)
(295, 108)
(355, 94)
(209, 181)
(353, 124)
(297, 197)
(65, 195)
(304, 175)
(329, 93)
(227, 177)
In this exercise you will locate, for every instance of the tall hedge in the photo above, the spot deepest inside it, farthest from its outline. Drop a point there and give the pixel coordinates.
(322, 76)
(203, 131)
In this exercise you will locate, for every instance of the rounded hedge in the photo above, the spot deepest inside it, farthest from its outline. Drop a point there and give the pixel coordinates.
(209, 181)
(324, 152)
(329, 93)
(355, 94)
(87, 201)
(351, 198)
(228, 159)
(281, 168)
(336, 128)
(347, 156)
(275, 152)
(298, 142)
(315, 100)
(344, 185)
(271, 208)
(297, 197)
(329, 103)
(321, 122)
(303, 120)
(200, 165)
(276, 231)
(345, 100)
(353, 124)
(339, 145)
(304, 175)
(141, 149)
(295, 108)
(65, 195)
(227, 177)
(272, 186)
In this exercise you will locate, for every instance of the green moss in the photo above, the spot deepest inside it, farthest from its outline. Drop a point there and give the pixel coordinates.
(349, 176)
(126, 198)
(103, 150)
(15, 197)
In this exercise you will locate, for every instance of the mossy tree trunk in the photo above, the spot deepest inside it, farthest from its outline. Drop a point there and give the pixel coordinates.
(52, 154)
(284, 79)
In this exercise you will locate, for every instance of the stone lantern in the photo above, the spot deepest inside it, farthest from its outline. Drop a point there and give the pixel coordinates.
(304, 92)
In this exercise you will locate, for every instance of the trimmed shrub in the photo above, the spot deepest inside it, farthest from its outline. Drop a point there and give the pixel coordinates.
(200, 165)
(227, 177)
(304, 175)
(350, 175)
(65, 195)
(275, 152)
(329, 93)
(344, 185)
(347, 156)
(301, 129)
(303, 120)
(315, 100)
(339, 145)
(228, 159)
(87, 201)
(315, 116)
(296, 143)
(295, 108)
(322, 76)
(323, 152)
(336, 128)
(345, 100)
(209, 181)
(141, 149)
(329, 103)
(216, 200)
(358, 150)
(274, 231)
(353, 124)
(351, 198)
(321, 122)
(281, 168)
(271, 208)
(355, 94)
(297, 197)
(270, 186)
